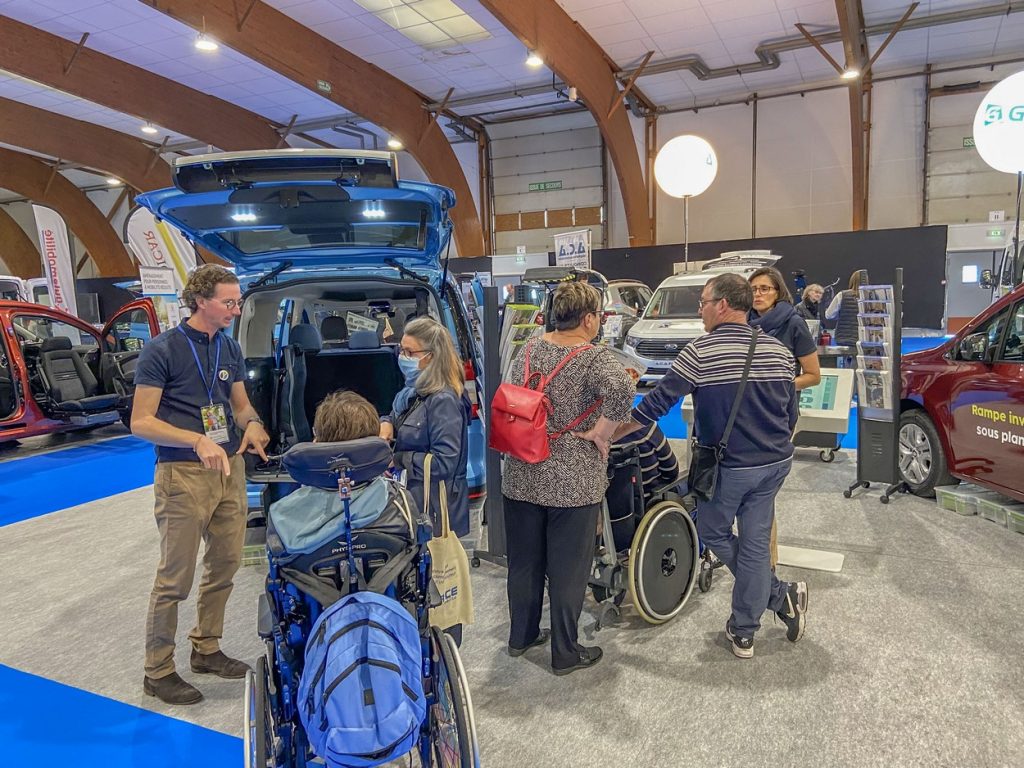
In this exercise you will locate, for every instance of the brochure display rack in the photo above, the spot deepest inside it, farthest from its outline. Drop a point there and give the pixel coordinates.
(879, 322)
(518, 327)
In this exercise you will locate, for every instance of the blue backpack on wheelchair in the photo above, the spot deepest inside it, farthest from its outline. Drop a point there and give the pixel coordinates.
(360, 697)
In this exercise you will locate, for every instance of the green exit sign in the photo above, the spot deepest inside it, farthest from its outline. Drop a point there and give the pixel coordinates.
(326, 87)
(545, 186)
(996, 232)
(968, 142)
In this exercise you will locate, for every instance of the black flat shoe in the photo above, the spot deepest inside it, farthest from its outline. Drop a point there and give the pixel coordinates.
(588, 658)
(543, 637)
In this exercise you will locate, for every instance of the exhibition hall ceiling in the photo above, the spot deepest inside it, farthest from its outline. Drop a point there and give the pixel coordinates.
(437, 45)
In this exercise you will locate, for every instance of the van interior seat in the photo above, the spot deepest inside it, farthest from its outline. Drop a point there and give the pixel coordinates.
(365, 367)
(303, 341)
(70, 382)
(333, 330)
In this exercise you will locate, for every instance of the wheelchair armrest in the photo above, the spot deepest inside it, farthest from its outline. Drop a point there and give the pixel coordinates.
(265, 622)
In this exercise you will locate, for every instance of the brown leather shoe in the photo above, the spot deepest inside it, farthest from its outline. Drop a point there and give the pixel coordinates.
(172, 690)
(218, 664)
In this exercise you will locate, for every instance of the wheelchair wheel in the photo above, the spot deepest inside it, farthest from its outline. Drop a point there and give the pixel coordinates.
(663, 562)
(452, 728)
(257, 739)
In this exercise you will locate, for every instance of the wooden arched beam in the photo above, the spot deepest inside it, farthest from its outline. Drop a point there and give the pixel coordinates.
(34, 179)
(17, 251)
(570, 52)
(88, 144)
(43, 57)
(275, 40)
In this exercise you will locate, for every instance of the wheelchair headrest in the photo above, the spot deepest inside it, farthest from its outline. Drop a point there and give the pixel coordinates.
(55, 344)
(363, 340)
(334, 327)
(306, 336)
(311, 463)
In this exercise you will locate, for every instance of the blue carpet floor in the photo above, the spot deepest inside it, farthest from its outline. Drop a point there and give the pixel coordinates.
(47, 724)
(41, 484)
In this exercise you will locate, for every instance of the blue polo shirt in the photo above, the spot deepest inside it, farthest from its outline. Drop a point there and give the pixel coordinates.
(167, 362)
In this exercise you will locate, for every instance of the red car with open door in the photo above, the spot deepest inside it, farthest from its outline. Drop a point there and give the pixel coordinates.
(962, 409)
(58, 373)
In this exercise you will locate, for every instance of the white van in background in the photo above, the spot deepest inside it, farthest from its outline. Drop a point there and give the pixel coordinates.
(672, 320)
(13, 288)
(39, 291)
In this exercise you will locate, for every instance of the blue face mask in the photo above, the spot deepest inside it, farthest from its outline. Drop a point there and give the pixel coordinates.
(410, 368)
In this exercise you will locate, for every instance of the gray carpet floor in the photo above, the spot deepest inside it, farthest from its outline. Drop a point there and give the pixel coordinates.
(912, 655)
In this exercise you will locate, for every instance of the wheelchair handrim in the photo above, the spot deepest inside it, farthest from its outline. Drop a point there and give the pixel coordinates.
(637, 555)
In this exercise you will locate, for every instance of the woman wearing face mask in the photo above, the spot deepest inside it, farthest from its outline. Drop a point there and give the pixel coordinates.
(431, 415)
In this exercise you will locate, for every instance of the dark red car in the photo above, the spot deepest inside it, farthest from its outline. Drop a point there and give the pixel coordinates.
(58, 373)
(963, 406)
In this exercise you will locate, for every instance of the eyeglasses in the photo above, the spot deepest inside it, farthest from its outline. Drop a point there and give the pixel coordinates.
(230, 303)
(763, 288)
(412, 352)
(701, 303)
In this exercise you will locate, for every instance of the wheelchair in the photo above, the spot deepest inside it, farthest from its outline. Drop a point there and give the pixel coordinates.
(648, 550)
(390, 557)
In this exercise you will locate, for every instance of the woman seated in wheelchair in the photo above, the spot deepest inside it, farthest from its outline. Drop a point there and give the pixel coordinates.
(354, 673)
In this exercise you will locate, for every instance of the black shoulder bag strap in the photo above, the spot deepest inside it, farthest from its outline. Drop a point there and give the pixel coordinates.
(724, 442)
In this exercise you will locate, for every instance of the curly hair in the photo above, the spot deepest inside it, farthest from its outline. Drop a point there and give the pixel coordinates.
(203, 282)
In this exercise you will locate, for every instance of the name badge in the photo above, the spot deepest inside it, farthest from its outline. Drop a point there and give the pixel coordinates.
(215, 423)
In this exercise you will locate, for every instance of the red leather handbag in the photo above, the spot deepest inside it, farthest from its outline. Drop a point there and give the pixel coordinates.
(519, 414)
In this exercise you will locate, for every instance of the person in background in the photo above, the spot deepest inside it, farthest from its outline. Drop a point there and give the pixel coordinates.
(757, 458)
(844, 309)
(189, 398)
(773, 313)
(808, 306)
(552, 506)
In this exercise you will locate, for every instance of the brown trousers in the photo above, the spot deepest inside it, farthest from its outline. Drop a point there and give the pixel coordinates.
(194, 504)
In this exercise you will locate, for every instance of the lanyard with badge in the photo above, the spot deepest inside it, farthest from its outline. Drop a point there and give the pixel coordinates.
(215, 418)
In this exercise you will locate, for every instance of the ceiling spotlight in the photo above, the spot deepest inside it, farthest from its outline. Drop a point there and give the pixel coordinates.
(533, 59)
(850, 73)
(113, 182)
(394, 143)
(149, 128)
(204, 42)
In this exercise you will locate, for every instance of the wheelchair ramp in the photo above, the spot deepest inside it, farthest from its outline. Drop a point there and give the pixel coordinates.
(811, 559)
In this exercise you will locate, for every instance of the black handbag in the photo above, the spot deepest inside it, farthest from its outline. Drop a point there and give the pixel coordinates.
(704, 459)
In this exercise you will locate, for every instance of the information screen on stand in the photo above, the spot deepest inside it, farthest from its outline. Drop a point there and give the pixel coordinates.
(821, 397)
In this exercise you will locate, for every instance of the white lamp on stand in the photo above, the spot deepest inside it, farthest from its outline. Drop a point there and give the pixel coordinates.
(999, 138)
(685, 167)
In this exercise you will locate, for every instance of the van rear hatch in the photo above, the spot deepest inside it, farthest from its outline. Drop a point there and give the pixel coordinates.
(312, 208)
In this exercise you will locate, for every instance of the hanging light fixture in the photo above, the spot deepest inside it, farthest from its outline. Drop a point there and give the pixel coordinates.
(149, 128)
(394, 143)
(533, 59)
(204, 42)
(113, 182)
(850, 73)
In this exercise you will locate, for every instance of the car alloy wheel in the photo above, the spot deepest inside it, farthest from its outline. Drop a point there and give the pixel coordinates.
(915, 454)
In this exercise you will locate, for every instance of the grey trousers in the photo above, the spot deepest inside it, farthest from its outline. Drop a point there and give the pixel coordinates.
(746, 495)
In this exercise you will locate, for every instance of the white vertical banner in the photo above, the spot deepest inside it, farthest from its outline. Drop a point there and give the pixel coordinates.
(56, 253)
(155, 244)
(572, 249)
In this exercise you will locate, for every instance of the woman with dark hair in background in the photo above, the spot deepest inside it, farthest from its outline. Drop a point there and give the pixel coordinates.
(774, 314)
(808, 306)
(844, 309)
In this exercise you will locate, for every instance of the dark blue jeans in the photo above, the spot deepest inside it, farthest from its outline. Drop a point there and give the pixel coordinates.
(746, 495)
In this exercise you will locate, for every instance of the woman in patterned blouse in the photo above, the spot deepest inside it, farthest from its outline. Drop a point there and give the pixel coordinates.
(551, 508)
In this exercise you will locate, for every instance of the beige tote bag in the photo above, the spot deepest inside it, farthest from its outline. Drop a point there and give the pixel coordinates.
(449, 564)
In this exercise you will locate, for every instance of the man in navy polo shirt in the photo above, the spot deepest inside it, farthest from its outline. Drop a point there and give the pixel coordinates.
(190, 400)
(758, 456)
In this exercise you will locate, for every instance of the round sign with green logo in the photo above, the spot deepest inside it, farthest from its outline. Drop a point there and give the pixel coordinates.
(999, 125)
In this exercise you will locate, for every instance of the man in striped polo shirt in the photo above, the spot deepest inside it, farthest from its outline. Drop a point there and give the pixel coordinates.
(757, 458)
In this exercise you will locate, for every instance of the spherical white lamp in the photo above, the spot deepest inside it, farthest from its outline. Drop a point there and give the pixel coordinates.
(685, 167)
(999, 125)
(999, 139)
